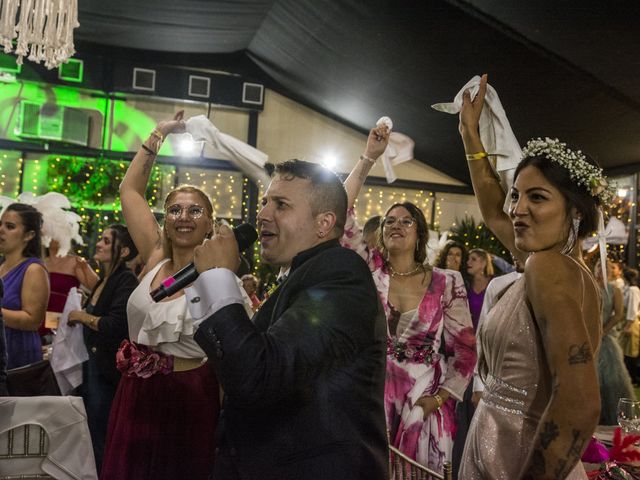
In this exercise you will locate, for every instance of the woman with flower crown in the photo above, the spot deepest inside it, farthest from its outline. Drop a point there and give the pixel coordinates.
(538, 344)
(430, 341)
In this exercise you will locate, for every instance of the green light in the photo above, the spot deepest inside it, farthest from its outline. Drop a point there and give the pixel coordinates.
(72, 71)
(8, 63)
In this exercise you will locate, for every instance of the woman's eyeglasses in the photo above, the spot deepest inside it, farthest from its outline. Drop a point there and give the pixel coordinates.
(405, 222)
(194, 212)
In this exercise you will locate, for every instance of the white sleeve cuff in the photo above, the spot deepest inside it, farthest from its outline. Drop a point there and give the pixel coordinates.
(212, 290)
(478, 385)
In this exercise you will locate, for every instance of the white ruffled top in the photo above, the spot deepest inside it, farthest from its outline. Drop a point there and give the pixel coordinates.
(166, 326)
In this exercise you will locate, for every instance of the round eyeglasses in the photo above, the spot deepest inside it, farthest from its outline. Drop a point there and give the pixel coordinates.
(405, 222)
(194, 212)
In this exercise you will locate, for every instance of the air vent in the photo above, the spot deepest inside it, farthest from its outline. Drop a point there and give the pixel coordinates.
(52, 122)
(252, 93)
(72, 71)
(199, 86)
(144, 79)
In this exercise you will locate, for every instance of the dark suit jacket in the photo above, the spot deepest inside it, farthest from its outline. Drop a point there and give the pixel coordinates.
(111, 307)
(303, 382)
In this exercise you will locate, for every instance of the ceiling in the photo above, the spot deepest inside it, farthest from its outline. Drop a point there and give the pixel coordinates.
(567, 69)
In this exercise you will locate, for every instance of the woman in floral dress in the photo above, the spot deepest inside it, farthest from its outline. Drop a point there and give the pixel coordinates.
(430, 341)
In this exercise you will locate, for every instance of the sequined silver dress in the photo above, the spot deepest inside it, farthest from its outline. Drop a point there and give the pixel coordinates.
(516, 394)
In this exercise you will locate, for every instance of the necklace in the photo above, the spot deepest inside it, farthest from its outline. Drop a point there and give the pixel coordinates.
(404, 274)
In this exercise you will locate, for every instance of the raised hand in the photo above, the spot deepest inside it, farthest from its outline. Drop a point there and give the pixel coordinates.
(175, 125)
(377, 142)
(471, 109)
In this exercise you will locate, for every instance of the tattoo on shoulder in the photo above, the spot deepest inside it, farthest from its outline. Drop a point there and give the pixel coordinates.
(580, 354)
(549, 433)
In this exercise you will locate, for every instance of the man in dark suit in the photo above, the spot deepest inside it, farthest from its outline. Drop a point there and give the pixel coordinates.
(303, 379)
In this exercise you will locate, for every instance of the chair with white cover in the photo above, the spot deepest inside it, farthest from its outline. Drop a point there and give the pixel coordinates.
(402, 467)
(45, 437)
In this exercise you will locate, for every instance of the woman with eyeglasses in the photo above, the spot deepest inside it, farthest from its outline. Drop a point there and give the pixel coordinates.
(104, 326)
(166, 408)
(430, 342)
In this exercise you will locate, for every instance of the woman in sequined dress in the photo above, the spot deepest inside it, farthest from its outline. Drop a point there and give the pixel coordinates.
(539, 342)
(431, 346)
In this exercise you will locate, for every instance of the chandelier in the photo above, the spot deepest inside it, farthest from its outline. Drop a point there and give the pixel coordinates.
(41, 30)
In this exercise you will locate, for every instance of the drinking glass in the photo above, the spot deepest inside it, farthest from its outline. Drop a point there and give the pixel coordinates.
(629, 415)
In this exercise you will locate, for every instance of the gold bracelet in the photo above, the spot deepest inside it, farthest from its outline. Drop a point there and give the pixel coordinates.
(476, 156)
(156, 133)
(438, 398)
(367, 159)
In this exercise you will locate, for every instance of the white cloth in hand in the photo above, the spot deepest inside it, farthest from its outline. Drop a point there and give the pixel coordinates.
(69, 351)
(495, 131)
(247, 159)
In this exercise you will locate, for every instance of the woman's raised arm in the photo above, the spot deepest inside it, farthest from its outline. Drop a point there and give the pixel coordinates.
(486, 185)
(376, 144)
(142, 224)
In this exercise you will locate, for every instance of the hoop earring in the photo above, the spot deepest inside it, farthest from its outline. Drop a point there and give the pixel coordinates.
(572, 238)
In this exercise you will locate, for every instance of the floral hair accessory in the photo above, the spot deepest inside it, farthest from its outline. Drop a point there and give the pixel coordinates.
(580, 170)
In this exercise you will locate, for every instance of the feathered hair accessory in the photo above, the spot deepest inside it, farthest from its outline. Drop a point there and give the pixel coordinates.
(58, 223)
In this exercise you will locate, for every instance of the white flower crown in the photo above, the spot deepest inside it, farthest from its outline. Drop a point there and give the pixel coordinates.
(580, 170)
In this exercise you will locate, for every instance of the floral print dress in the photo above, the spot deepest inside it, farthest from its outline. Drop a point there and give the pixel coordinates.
(417, 362)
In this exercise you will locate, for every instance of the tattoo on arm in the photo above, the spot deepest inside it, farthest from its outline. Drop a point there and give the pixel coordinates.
(549, 433)
(538, 466)
(573, 455)
(148, 163)
(580, 354)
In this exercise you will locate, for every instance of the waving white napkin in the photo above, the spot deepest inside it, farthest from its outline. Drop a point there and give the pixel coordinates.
(495, 131)
(69, 350)
(247, 159)
(399, 150)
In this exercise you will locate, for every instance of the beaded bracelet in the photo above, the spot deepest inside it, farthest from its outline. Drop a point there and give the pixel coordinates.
(476, 156)
(367, 159)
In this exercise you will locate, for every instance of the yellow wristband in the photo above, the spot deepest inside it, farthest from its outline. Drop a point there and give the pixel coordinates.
(438, 398)
(476, 156)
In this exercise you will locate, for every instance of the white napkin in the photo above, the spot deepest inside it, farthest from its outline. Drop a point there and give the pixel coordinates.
(247, 159)
(68, 349)
(495, 132)
(399, 150)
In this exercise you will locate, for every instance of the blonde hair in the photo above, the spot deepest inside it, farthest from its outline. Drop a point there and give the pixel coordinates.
(167, 247)
(486, 256)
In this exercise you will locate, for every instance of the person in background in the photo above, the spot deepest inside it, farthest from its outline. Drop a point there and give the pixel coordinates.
(480, 272)
(65, 272)
(453, 256)
(615, 381)
(3, 351)
(630, 335)
(250, 285)
(539, 341)
(26, 283)
(431, 350)
(104, 322)
(370, 232)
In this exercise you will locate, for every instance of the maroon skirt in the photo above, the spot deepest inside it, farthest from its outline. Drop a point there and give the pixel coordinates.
(163, 427)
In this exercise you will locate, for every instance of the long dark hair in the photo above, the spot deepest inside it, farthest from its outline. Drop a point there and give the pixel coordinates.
(575, 195)
(420, 252)
(32, 222)
(120, 239)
